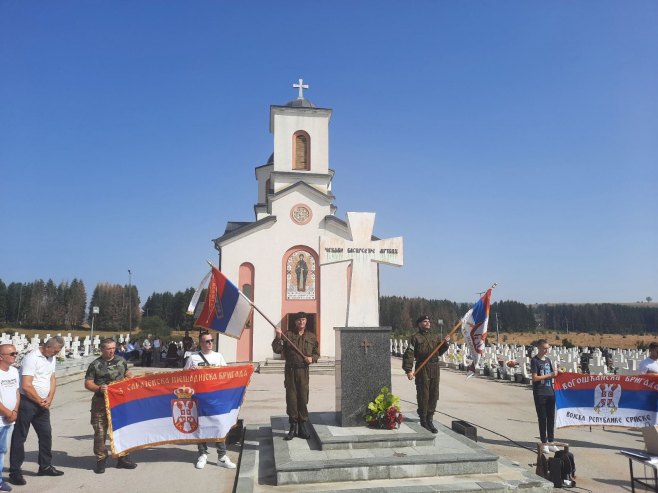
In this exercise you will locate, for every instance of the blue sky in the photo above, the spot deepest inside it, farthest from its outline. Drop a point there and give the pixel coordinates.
(506, 141)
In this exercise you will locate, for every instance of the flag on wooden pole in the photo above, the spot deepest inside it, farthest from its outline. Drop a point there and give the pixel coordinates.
(225, 309)
(474, 328)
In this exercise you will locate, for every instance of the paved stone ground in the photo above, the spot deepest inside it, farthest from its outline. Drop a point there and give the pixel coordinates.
(502, 407)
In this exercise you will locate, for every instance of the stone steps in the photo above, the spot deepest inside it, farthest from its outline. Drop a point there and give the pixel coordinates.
(270, 464)
(447, 484)
(305, 461)
(324, 366)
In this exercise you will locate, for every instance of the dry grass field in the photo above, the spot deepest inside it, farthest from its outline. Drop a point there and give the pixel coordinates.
(612, 341)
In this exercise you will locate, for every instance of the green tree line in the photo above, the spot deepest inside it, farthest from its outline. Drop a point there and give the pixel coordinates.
(605, 318)
(118, 307)
(43, 304)
(400, 313)
(171, 308)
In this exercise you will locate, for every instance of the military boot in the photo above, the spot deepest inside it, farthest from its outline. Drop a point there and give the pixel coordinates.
(124, 462)
(302, 432)
(100, 466)
(423, 421)
(430, 425)
(292, 432)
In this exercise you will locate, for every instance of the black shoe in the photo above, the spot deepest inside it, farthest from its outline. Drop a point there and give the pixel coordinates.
(125, 463)
(292, 432)
(430, 425)
(17, 479)
(100, 466)
(302, 432)
(50, 471)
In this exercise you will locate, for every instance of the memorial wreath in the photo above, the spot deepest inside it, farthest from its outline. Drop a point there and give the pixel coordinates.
(384, 411)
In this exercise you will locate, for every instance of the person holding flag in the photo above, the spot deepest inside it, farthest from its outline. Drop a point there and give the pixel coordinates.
(299, 348)
(422, 345)
(208, 357)
(101, 372)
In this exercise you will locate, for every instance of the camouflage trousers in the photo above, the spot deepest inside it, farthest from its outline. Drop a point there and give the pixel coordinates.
(99, 424)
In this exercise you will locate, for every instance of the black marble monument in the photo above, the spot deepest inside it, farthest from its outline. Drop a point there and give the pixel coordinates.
(363, 367)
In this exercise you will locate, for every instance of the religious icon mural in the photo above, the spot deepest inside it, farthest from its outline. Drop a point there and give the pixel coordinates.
(300, 276)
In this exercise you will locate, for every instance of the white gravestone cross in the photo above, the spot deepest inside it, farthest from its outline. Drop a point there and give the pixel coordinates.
(365, 255)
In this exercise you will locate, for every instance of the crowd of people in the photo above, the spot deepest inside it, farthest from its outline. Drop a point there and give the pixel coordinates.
(25, 400)
(26, 395)
(156, 352)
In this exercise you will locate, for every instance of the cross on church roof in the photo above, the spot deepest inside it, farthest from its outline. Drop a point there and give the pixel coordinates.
(301, 86)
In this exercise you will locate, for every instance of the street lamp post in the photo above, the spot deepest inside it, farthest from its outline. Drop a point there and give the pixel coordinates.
(130, 302)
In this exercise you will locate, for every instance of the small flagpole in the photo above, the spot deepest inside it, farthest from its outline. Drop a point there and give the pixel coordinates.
(272, 324)
(443, 341)
(265, 317)
(420, 367)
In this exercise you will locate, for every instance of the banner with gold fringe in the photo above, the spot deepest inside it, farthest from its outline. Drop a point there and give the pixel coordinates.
(187, 406)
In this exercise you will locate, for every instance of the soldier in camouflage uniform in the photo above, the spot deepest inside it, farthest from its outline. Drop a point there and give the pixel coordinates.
(296, 373)
(421, 344)
(102, 371)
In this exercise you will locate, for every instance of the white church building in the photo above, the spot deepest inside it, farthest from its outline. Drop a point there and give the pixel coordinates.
(275, 259)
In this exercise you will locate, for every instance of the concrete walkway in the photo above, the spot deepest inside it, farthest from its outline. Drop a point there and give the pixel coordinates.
(503, 407)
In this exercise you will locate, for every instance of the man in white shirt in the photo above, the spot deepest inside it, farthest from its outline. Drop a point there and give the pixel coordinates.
(157, 350)
(37, 392)
(9, 401)
(208, 357)
(650, 364)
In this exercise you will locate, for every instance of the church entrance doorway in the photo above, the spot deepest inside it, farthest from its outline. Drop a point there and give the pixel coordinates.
(300, 279)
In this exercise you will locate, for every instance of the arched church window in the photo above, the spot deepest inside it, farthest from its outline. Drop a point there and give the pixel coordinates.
(301, 151)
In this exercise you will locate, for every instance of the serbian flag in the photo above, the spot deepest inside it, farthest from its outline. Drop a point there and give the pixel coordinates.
(225, 309)
(606, 400)
(474, 329)
(187, 406)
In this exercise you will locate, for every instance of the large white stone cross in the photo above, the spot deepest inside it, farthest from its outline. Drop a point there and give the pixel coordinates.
(365, 255)
(301, 86)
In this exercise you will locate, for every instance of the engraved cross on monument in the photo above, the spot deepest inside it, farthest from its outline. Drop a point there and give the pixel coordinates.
(363, 359)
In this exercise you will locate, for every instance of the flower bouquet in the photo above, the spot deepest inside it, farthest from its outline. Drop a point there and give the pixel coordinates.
(384, 411)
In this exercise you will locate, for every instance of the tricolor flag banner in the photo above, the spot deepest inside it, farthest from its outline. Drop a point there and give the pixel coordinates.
(225, 309)
(606, 400)
(474, 328)
(187, 406)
